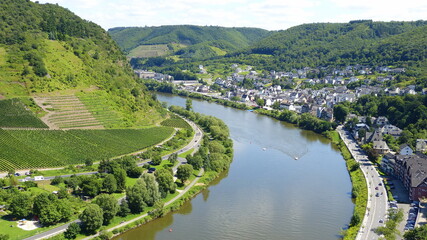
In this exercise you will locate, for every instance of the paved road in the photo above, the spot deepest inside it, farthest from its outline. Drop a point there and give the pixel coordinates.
(195, 143)
(377, 195)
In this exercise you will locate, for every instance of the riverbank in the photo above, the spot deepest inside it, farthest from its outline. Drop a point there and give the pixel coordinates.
(359, 188)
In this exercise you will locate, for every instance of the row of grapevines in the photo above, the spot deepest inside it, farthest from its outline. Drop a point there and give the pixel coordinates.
(13, 113)
(48, 148)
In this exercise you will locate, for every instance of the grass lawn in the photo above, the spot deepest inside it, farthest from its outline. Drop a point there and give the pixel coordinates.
(185, 154)
(10, 227)
(130, 181)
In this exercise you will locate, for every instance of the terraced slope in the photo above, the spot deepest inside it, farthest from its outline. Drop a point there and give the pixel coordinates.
(67, 112)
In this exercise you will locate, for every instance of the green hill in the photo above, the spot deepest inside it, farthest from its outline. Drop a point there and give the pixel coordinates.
(46, 49)
(356, 42)
(187, 41)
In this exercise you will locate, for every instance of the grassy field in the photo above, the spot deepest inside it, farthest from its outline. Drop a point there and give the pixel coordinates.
(26, 149)
(175, 122)
(13, 113)
(149, 51)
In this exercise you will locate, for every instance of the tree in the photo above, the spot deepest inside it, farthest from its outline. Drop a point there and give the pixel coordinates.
(57, 180)
(55, 211)
(216, 147)
(13, 180)
(88, 162)
(108, 205)
(92, 218)
(49, 215)
(135, 172)
(188, 104)
(152, 187)
(164, 178)
(418, 233)
(4, 236)
(109, 184)
(173, 158)
(40, 201)
(260, 102)
(72, 231)
(124, 209)
(196, 161)
(184, 172)
(90, 186)
(276, 105)
(135, 196)
(156, 160)
(63, 193)
(340, 113)
(120, 175)
(21, 205)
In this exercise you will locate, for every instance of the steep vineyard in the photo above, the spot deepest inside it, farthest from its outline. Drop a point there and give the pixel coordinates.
(25, 149)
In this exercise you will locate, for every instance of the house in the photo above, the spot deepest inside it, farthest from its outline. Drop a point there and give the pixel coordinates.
(203, 89)
(381, 121)
(380, 147)
(387, 164)
(412, 171)
(405, 149)
(144, 74)
(327, 114)
(376, 136)
(245, 98)
(391, 130)
(421, 145)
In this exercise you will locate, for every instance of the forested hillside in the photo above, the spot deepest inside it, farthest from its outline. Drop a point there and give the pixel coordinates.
(356, 42)
(195, 42)
(45, 48)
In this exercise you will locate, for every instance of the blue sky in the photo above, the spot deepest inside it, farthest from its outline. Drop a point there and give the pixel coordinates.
(267, 14)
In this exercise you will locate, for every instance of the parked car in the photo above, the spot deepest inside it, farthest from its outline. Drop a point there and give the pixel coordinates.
(381, 221)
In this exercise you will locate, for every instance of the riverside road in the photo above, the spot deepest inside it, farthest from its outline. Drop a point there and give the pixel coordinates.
(376, 210)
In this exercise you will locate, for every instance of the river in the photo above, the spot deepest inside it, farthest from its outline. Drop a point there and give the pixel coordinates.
(266, 194)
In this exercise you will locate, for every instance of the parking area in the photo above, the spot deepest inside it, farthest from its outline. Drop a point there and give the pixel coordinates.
(410, 210)
(400, 194)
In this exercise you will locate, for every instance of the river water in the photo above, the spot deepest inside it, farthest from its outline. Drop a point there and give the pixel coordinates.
(266, 194)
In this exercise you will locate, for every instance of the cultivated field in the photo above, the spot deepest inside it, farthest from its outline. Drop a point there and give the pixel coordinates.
(26, 149)
(175, 122)
(149, 51)
(14, 114)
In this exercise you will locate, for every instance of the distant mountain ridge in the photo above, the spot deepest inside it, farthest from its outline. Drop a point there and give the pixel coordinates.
(400, 44)
(196, 38)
